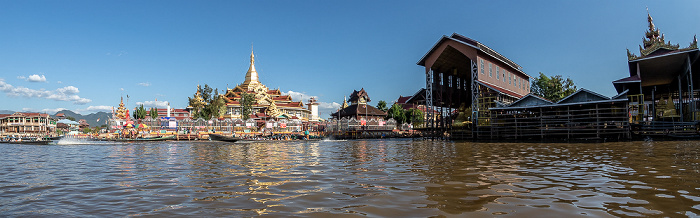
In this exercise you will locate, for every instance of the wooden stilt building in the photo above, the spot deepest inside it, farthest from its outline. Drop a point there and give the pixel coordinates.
(661, 87)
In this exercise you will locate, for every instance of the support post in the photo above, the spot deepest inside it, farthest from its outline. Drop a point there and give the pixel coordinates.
(692, 90)
(680, 98)
(430, 124)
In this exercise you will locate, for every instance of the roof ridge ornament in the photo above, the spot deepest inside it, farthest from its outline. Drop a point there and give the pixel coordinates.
(654, 40)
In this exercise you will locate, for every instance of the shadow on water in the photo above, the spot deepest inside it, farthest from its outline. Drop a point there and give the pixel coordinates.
(355, 177)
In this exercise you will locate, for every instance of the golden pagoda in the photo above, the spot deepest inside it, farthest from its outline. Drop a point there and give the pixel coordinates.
(121, 112)
(268, 103)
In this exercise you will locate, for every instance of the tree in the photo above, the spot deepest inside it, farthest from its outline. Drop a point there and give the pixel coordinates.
(397, 112)
(153, 113)
(246, 101)
(414, 116)
(140, 112)
(553, 88)
(381, 105)
(70, 118)
(214, 105)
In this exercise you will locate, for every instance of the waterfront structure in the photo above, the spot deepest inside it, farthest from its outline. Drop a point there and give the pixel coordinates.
(417, 101)
(661, 83)
(120, 117)
(583, 115)
(462, 71)
(359, 119)
(26, 123)
(358, 108)
(269, 103)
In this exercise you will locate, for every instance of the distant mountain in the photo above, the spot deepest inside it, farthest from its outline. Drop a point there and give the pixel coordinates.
(90, 118)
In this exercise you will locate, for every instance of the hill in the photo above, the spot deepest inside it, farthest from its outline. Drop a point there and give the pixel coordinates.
(90, 118)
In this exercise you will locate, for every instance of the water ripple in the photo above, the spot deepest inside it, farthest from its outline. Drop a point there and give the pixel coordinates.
(365, 177)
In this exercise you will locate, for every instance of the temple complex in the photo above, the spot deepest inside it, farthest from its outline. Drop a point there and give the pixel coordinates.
(269, 103)
(120, 116)
(358, 108)
(661, 84)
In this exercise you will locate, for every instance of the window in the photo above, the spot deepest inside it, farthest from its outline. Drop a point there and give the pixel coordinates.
(497, 72)
(504, 76)
(490, 71)
(482, 66)
(510, 79)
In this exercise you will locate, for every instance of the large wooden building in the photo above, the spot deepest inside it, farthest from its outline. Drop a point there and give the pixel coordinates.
(462, 72)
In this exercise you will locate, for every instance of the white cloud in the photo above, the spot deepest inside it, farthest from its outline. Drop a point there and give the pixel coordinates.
(122, 89)
(104, 108)
(325, 105)
(156, 104)
(27, 109)
(52, 111)
(59, 82)
(36, 78)
(298, 96)
(22, 77)
(324, 108)
(68, 93)
(146, 84)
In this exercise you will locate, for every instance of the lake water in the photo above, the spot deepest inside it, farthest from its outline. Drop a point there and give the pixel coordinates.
(377, 178)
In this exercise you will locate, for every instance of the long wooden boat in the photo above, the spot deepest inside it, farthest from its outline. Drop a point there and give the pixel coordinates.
(218, 137)
(153, 139)
(28, 142)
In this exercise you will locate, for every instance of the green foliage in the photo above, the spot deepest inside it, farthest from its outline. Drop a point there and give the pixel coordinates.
(70, 118)
(246, 101)
(397, 112)
(414, 116)
(140, 112)
(381, 105)
(153, 113)
(553, 88)
(215, 104)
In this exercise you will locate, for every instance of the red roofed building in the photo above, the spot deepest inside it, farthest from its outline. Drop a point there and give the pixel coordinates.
(178, 114)
(33, 123)
(462, 71)
(358, 108)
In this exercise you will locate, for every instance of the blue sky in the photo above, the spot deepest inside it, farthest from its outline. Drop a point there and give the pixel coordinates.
(85, 55)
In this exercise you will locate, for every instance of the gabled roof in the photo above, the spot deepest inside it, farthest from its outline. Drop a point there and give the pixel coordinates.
(631, 79)
(360, 109)
(622, 95)
(355, 96)
(474, 44)
(420, 94)
(530, 100)
(582, 95)
(403, 99)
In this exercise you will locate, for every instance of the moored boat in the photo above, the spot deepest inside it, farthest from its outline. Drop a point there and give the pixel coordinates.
(218, 137)
(159, 138)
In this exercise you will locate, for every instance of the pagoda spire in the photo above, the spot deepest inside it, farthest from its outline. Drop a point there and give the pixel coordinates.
(251, 77)
(345, 102)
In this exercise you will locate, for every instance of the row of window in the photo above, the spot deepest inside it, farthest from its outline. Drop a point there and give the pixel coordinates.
(237, 111)
(512, 79)
(20, 120)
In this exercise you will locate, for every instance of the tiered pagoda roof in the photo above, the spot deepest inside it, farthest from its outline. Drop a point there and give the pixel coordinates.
(270, 99)
(654, 43)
